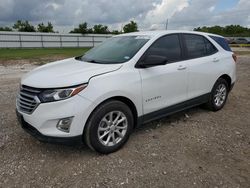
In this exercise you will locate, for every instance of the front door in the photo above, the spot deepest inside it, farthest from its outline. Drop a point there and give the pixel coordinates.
(164, 85)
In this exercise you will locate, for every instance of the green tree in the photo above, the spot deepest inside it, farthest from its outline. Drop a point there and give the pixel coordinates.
(82, 28)
(90, 30)
(229, 30)
(115, 32)
(130, 27)
(45, 29)
(5, 29)
(24, 26)
(100, 29)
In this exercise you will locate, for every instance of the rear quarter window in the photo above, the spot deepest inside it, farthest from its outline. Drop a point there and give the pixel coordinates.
(211, 49)
(222, 42)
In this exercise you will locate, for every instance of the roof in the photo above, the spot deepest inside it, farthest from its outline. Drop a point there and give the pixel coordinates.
(164, 32)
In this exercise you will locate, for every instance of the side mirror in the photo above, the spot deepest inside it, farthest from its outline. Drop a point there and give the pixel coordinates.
(153, 60)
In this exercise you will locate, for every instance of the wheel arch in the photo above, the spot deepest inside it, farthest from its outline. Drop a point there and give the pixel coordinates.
(130, 104)
(123, 99)
(228, 80)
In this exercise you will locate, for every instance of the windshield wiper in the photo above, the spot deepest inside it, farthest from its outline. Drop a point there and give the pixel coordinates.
(78, 58)
(93, 61)
(98, 62)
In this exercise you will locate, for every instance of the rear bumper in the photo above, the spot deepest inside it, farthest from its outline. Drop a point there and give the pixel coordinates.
(50, 139)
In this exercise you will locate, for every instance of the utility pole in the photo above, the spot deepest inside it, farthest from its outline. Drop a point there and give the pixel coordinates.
(167, 24)
(122, 28)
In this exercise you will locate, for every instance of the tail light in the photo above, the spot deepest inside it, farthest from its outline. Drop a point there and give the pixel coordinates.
(234, 57)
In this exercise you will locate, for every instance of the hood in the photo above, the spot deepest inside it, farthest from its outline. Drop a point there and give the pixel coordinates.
(65, 73)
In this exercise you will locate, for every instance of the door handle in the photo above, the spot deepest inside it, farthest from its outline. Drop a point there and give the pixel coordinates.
(216, 60)
(181, 67)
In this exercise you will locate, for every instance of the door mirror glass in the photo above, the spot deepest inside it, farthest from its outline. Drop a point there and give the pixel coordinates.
(153, 60)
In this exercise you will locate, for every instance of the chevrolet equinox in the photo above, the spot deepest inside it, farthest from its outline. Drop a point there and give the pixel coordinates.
(128, 80)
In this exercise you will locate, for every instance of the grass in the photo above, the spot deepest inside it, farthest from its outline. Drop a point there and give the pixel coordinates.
(38, 53)
(239, 45)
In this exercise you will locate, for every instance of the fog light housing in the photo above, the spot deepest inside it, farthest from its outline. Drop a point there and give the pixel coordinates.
(64, 124)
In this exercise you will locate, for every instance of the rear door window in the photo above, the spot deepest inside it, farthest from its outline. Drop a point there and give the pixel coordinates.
(198, 46)
(195, 46)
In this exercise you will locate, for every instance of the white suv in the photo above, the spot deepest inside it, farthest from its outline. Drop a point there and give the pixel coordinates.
(128, 80)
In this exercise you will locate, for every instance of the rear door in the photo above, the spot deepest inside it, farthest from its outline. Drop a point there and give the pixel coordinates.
(164, 85)
(202, 59)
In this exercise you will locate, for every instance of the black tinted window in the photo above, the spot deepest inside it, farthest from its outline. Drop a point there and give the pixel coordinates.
(210, 48)
(195, 46)
(167, 46)
(198, 46)
(222, 42)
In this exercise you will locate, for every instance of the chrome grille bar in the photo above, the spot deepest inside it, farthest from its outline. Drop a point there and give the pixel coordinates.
(26, 103)
(27, 99)
(25, 94)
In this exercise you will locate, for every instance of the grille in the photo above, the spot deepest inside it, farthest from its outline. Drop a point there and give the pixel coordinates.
(27, 99)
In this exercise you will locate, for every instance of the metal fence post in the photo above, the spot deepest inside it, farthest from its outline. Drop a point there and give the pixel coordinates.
(78, 45)
(93, 41)
(60, 40)
(20, 40)
(42, 41)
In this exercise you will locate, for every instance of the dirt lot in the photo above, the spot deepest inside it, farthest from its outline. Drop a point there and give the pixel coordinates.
(195, 148)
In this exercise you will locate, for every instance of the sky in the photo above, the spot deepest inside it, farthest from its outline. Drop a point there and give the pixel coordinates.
(149, 14)
(226, 4)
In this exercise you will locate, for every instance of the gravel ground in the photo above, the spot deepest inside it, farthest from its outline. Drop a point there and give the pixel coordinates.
(195, 148)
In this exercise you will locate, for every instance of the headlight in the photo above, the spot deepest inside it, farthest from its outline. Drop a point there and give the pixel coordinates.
(51, 95)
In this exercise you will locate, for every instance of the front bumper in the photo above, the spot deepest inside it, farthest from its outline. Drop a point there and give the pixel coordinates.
(43, 138)
(43, 121)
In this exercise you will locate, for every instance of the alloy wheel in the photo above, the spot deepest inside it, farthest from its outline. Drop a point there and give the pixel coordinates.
(112, 128)
(220, 95)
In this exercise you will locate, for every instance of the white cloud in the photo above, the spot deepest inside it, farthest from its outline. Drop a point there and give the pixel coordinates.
(156, 18)
(5, 8)
(211, 9)
(200, 13)
(149, 14)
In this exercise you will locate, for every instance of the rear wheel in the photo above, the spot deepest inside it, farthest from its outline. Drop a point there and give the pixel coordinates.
(109, 127)
(218, 96)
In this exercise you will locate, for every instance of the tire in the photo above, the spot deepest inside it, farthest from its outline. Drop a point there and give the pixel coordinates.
(101, 131)
(221, 89)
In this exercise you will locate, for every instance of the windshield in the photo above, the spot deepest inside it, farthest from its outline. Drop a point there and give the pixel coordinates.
(116, 50)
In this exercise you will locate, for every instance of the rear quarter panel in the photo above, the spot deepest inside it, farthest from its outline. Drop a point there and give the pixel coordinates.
(227, 65)
(204, 72)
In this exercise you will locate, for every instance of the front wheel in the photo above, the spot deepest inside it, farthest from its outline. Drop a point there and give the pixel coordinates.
(218, 96)
(109, 127)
